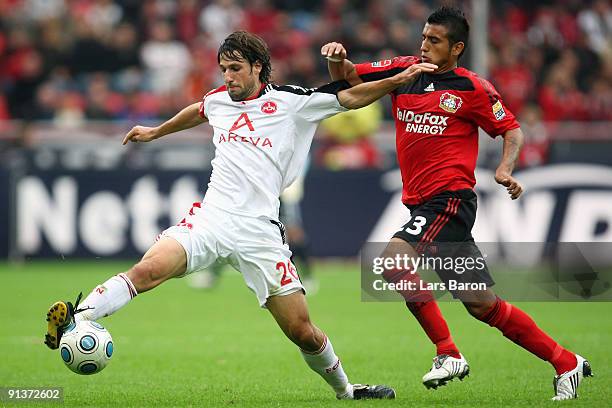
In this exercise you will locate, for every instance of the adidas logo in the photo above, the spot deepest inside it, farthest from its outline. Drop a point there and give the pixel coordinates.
(430, 88)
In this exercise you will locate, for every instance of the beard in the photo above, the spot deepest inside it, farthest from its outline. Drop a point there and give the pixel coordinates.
(237, 96)
(241, 94)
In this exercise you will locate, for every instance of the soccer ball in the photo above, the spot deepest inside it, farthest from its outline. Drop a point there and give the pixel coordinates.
(86, 347)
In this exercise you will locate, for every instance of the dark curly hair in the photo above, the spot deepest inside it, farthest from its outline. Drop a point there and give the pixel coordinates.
(242, 45)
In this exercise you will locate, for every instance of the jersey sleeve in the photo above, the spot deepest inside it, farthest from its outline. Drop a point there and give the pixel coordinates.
(374, 71)
(489, 111)
(203, 104)
(201, 109)
(316, 104)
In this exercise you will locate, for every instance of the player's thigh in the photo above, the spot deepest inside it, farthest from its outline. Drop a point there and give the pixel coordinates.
(169, 254)
(400, 258)
(164, 260)
(269, 273)
(264, 260)
(399, 246)
(472, 271)
(397, 255)
(203, 235)
(181, 249)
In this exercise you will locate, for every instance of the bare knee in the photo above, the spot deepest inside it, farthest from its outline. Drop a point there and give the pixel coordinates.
(146, 275)
(478, 309)
(304, 334)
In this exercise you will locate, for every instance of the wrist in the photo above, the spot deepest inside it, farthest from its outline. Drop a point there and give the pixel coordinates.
(503, 170)
(157, 132)
(395, 81)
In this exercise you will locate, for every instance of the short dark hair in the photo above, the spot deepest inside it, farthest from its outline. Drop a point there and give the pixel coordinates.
(242, 45)
(455, 22)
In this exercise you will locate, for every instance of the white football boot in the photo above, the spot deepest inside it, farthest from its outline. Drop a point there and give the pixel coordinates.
(566, 384)
(444, 369)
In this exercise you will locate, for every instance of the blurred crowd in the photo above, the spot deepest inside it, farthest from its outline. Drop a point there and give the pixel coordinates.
(75, 60)
(131, 59)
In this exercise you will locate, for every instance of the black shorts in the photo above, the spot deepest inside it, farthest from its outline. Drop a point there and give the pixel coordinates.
(442, 227)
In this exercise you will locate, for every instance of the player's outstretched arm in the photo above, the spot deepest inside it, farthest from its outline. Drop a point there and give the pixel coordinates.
(513, 141)
(364, 94)
(338, 66)
(185, 119)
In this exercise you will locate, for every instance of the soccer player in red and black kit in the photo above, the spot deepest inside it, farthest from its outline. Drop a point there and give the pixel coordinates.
(437, 119)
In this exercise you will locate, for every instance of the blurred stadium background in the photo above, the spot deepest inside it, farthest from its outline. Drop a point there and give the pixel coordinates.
(75, 75)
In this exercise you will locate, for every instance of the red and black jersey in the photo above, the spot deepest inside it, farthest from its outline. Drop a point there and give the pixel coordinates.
(436, 119)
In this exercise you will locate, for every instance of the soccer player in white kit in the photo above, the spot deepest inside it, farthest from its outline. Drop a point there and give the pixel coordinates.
(262, 133)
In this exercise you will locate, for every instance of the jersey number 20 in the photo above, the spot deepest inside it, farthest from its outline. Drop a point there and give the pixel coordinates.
(288, 267)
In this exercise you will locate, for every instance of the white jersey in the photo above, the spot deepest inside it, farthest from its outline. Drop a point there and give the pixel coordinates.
(262, 143)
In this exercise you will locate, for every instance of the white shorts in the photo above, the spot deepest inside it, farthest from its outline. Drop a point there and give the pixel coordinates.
(255, 247)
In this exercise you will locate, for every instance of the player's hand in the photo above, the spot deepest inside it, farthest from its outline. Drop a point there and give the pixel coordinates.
(512, 185)
(140, 134)
(412, 72)
(334, 52)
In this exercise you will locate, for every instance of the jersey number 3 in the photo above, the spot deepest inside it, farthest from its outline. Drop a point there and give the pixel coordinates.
(415, 225)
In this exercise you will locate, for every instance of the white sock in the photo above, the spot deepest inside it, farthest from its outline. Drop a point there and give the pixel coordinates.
(327, 364)
(107, 298)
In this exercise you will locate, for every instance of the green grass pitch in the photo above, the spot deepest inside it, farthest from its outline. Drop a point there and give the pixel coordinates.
(176, 346)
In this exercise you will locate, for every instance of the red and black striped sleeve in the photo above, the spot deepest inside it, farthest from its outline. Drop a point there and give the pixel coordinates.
(374, 71)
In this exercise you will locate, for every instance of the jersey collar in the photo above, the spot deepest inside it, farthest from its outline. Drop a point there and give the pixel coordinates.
(258, 94)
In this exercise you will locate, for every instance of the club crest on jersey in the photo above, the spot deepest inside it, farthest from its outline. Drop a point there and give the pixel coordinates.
(382, 63)
(450, 103)
(498, 110)
(269, 107)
